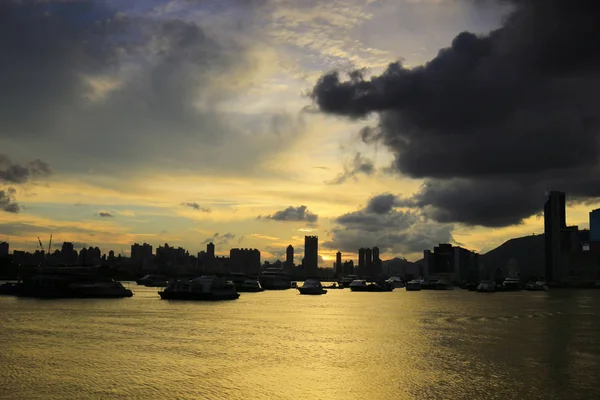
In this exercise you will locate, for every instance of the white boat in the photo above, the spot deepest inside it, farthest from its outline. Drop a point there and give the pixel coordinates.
(204, 288)
(511, 283)
(414, 285)
(396, 282)
(537, 285)
(486, 287)
(249, 285)
(312, 286)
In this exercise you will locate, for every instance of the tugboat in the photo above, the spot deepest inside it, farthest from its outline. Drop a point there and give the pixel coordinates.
(538, 285)
(486, 287)
(205, 288)
(312, 286)
(249, 286)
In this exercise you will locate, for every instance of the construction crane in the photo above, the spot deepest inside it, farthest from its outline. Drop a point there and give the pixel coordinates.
(41, 245)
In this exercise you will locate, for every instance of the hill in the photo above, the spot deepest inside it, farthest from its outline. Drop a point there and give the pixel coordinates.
(527, 251)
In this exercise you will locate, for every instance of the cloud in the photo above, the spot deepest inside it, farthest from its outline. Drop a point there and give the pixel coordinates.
(104, 214)
(292, 213)
(359, 165)
(123, 92)
(494, 120)
(11, 172)
(196, 206)
(8, 202)
(219, 240)
(380, 223)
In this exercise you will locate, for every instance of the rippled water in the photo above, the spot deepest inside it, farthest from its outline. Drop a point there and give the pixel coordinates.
(280, 345)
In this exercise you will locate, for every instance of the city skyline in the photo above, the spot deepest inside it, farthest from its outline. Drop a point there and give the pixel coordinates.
(213, 121)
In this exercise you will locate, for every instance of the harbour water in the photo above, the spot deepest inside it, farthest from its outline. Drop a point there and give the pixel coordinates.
(280, 345)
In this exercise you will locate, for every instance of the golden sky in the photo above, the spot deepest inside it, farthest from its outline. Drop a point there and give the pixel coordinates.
(196, 125)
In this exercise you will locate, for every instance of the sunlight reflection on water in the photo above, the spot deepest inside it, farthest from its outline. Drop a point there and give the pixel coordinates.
(280, 345)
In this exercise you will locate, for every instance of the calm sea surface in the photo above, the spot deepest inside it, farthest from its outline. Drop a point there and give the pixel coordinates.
(280, 345)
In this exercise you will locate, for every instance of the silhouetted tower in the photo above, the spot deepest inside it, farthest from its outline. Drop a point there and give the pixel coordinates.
(311, 254)
(210, 250)
(554, 222)
(375, 254)
(361, 261)
(289, 256)
(338, 263)
(369, 262)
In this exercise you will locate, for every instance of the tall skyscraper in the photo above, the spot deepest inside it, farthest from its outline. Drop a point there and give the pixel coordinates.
(210, 250)
(375, 254)
(289, 256)
(338, 263)
(361, 261)
(311, 254)
(554, 223)
(595, 226)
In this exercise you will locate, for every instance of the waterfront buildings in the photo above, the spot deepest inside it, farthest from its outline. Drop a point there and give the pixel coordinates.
(4, 249)
(452, 263)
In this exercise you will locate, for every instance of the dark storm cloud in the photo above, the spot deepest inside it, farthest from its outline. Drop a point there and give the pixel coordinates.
(104, 214)
(11, 172)
(359, 165)
(115, 91)
(8, 202)
(196, 206)
(380, 223)
(292, 213)
(494, 120)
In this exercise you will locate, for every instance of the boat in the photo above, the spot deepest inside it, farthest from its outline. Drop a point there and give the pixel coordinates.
(275, 279)
(9, 288)
(511, 284)
(538, 285)
(99, 290)
(471, 286)
(312, 286)
(347, 280)
(414, 285)
(443, 284)
(396, 282)
(361, 286)
(249, 286)
(152, 281)
(68, 282)
(486, 287)
(358, 285)
(204, 288)
(334, 286)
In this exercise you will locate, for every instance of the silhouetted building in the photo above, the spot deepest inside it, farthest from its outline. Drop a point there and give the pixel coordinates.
(452, 263)
(4, 249)
(245, 260)
(338, 263)
(311, 254)
(361, 261)
(595, 226)
(348, 267)
(289, 256)
(210, 250)
(68, 255)
(141, 255)
(554, 223)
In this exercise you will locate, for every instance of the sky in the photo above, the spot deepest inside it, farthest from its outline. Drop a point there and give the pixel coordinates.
(251, 123)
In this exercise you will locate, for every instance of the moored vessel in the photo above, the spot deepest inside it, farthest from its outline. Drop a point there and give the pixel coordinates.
(275, 279)
(249, 286)
(486, 287)
(312, 286)
(414, 285)
(538, 285)
(204, 288)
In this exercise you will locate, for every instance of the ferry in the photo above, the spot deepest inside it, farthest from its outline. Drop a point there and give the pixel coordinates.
(538, 285)
(204, 288)
(486, 287)
(414, 285)
(275, 279)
